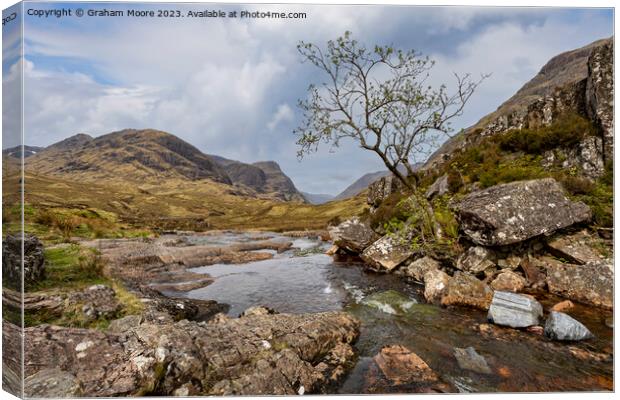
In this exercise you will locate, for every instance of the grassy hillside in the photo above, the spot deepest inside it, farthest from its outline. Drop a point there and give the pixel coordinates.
(57, 209)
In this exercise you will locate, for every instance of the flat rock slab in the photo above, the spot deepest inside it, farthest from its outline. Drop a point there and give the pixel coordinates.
(578, 248)
(258, 355)
(560, 326)
(514, 310)
(388, 252)
(517, 211)
(402, 366)
(353, 235)
(592, 283)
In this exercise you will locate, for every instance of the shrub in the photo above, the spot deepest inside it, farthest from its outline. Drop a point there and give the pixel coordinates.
(576, 185)
(566, 131)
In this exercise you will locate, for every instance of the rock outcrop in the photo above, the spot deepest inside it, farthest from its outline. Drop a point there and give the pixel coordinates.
(258, 355)
(34, 262)
(560, 326)
(514, 310)
(599, 93)
(381, 189)
(353, 235)
(578, 81)
(517, 211)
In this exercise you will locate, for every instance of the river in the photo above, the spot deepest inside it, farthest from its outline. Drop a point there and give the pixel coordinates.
(305, 280)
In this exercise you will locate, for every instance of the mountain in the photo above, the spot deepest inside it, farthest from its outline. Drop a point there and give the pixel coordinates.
(264, 177)
(362, 183)
(16, 151)
(313, 198)
(151, 156)
(575, 81)
(127, 155)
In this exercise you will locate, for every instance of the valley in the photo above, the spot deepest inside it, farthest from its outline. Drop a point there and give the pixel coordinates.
(192, 274)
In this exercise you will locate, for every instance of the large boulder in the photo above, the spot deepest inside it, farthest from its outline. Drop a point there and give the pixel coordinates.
(517, 211)
(381, 189)
(514, 310)
(592, 283)
(560, 326)
(34, 260)
(466, 290)
(254, 355)
(418, 268)
(388, 252)
(353, 235)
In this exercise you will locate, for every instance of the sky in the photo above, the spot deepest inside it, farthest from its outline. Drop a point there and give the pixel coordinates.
(230, 86)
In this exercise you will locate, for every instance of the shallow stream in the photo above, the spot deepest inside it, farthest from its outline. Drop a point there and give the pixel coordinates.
(304, 279)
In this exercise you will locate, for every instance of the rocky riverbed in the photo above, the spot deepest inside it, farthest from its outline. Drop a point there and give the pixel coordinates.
(330, 325)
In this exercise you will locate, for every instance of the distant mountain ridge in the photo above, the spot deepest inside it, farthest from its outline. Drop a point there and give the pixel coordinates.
(153, 156)
(17, 151)
(364, 181)
(317, 198)
(263, 177)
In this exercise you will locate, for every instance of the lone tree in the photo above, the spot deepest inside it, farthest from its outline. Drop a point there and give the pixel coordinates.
(381, 99)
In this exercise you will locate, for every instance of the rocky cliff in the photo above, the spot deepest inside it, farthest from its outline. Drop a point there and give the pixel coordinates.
(578, 81)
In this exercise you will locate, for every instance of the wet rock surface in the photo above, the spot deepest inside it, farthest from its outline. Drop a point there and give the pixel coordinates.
(34, 262)
(466, 290)
(517, 211)
(257, 354)
(469, 359)
(514, 310)
(560, 326)
(400, 368)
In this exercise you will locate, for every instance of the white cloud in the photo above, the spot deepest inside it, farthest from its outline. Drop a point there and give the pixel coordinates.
(226, 86)
(284, 113)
